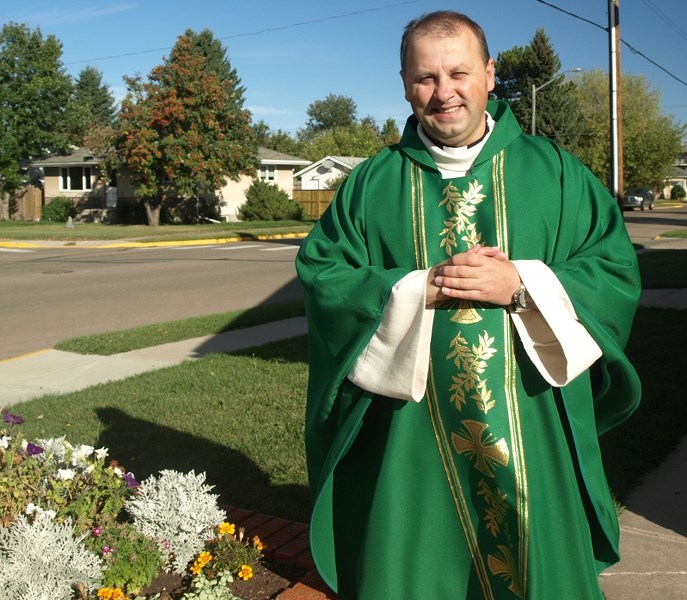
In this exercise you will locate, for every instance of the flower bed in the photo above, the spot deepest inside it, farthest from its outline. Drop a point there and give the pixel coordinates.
(77, 526)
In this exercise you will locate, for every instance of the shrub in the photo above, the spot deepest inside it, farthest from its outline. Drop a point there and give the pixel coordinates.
(178, 509)
(677, 192)
(58, 210)
(43, 560)
(266, 202)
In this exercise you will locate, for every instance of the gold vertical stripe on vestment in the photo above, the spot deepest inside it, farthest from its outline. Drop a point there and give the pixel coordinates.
(510, 379)
(418, 212)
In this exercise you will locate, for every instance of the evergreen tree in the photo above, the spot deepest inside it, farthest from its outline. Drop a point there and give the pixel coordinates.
(518, 69)
(184, 127)
(217, 62)
(37, 116)
(94, 96)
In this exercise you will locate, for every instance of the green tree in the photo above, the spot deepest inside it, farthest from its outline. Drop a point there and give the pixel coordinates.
(217, 62)
(518, 69)
(278, 139)
(37, 115)
(182, 132)
(334, 111)
(94, 96)
(651, 138)
(358, 139)
(390, 134)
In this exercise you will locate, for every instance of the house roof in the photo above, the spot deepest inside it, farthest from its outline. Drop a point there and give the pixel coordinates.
(83, 156)
(272, 157)
(343, 163)
(80, 157)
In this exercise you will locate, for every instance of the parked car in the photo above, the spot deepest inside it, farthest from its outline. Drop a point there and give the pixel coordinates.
(638, 198)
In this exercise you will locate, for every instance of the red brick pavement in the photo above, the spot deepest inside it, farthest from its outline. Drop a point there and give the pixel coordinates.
(286, 542)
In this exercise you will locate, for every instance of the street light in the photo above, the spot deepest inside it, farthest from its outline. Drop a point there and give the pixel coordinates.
(543, 85)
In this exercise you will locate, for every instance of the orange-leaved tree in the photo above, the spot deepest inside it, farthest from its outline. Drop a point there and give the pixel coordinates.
(182, 132)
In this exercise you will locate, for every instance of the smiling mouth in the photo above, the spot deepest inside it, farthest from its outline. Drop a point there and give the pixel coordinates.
(446, 111)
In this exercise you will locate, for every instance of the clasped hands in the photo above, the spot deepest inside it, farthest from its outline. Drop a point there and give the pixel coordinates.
(482, 274)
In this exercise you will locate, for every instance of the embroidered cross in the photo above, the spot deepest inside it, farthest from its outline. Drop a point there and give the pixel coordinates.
(486, 451)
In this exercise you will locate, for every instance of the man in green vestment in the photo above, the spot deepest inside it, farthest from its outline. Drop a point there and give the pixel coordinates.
(469, 293)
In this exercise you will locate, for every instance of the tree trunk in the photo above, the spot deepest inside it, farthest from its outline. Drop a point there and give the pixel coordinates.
(152, 212)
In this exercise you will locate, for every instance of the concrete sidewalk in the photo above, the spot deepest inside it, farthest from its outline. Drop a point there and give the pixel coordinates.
(56, 372)
(653, 527)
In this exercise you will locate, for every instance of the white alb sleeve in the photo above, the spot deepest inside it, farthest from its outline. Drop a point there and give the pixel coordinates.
(395, 363)
(556, 342)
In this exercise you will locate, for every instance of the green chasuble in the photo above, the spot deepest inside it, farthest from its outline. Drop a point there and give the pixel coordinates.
(492, 486)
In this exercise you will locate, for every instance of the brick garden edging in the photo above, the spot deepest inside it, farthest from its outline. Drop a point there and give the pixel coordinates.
(287, 542)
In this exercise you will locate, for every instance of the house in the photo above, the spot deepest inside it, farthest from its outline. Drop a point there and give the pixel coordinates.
(275, 167)
(678, 176)
(318, 175)
(78, 176)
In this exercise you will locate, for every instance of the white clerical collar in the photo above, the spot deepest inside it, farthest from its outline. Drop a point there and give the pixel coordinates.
(455, 162)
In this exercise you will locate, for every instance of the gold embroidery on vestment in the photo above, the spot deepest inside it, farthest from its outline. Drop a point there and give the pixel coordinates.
(485, 451)
(472, 363)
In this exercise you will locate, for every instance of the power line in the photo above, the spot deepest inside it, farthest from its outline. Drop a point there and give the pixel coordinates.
(625, 43)
(665, 18)
(259, 32)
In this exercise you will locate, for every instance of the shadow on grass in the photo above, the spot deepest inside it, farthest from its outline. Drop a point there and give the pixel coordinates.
(635, 448)
(663, 268)
(145, 448)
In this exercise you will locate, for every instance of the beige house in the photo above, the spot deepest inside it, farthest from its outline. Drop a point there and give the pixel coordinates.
(275, 167)
(78, 176)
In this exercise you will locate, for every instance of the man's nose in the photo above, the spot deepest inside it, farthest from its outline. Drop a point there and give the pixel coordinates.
(444, 90)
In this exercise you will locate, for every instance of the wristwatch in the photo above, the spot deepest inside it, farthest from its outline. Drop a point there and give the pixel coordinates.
(521, 301)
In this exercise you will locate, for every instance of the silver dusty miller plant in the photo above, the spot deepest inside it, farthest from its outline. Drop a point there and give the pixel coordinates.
(43, 560)
(177, 510)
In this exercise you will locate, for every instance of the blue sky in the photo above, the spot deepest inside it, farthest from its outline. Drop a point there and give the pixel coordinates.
(289, 54)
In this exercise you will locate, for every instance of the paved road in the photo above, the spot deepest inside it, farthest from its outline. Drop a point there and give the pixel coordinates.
(51, 294)
(644, 226)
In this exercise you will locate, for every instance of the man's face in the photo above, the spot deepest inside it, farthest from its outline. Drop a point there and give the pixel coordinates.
(448, 85)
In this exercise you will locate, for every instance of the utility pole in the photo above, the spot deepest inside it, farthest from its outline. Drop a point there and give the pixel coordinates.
(616, 175)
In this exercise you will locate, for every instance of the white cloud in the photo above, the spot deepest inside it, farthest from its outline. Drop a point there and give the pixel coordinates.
(59, 16)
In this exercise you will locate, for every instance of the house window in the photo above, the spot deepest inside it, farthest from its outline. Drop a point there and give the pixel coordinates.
(76, 179)
(268, 173)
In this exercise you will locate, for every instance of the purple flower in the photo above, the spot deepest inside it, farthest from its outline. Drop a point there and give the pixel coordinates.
(107, 550)
(130, 480)
(11, 419)
(97, 530)
(32, 449)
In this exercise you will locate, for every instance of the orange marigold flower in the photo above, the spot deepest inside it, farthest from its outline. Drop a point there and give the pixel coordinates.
(226, 528)
(246, 572)
(257, 542)
(111, 594)
(203, 559)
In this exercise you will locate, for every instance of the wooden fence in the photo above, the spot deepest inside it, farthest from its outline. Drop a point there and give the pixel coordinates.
(25, 205)
(315, 202)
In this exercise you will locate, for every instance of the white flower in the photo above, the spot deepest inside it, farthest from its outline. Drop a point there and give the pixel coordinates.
(65, 474)
(101, 453)
(40, 513)
(5, 441)
(118, 472)
(80, 454)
